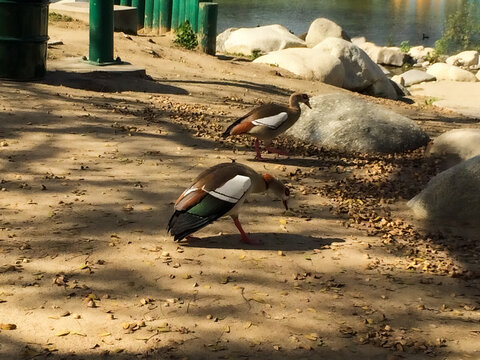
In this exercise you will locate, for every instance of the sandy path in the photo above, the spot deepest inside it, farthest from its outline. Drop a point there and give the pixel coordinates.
(90, 168)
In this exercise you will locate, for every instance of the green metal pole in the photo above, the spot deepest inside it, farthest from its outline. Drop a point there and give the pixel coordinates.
(140, 5)
(192, 14)
(126, 2)
(181, 12)
(165, 16)
(156, 16)
(175, 6)
(207, 27)
(148, 15)
(101, 31)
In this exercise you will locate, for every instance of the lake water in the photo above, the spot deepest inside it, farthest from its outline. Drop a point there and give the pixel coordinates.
(380, 21)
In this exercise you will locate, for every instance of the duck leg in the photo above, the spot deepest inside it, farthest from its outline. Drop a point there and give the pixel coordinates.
(245, 238)
(258, 150)
(191, 238)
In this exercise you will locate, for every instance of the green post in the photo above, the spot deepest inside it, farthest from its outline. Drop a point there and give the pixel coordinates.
(181, 12)
(140, 5)
(156, 16)
(148, 15)
(101, 32)
(191, 13)
(165, 16)
(126, 2)
(175, 7)
(207, 27)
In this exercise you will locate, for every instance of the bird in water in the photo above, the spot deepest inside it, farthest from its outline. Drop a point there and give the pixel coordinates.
(267, 121)
(218, 191)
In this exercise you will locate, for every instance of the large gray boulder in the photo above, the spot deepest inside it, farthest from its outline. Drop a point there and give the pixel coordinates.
(361, 73)
(347, 122)
(263, 39)
(322, 28)
(451, 195)
(457, 145)
(308, 63)
(414, 76)
(444, 71)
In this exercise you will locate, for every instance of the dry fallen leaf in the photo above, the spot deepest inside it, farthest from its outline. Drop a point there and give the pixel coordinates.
(63, 333)
(311, 336)
(8, 326)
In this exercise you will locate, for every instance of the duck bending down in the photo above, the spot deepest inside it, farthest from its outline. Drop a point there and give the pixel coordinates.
(267, 121)
(218, 191)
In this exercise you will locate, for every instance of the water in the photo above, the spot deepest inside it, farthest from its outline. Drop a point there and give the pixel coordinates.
(384, 22)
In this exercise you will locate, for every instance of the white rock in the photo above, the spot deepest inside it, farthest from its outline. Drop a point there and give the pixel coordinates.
(419, 53)
(222, 37)
(359, 40)
(478, 75)
(347, 122)
(399, 79)
(461, 144)
(361, 73)
(415, 76)
(451, 195)
(465, 58)
(263, 38)
(384, 55)
(444, 71)
(322, 28)
(308, 63)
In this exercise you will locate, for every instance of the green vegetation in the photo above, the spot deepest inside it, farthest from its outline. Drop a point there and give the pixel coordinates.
(185, 37)
(461, 32)
(430, 101)
(405, 46)
(255, 54)
(432, 57)
(53, 16)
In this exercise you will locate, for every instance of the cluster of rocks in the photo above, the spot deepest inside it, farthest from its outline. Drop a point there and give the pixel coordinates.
(326, 53)
(453, 194)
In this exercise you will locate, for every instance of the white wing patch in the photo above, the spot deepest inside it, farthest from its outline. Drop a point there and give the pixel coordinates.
(233, 189)
(273, 122)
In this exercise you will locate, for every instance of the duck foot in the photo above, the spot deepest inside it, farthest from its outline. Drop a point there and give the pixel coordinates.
(276, 151)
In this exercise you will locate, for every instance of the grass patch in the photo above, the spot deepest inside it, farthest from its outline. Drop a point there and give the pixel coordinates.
(53, 16)
(185, 37)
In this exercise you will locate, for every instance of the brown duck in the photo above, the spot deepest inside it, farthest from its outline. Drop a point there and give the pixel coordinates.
(218, 191)
(267, 121)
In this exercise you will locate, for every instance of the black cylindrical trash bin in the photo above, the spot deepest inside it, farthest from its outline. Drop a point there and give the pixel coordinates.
(23, 39)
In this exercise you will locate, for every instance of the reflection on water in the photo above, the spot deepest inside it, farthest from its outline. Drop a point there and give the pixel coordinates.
(381, 21)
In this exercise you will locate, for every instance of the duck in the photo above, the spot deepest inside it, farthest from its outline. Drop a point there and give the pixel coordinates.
(217, 191)
(267, 121)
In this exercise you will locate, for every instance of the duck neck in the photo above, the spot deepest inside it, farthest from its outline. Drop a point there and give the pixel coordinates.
(293, 103)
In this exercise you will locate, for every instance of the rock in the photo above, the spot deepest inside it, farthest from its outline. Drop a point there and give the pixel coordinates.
(361, 73)
(415, 76)
(384, 70)
(359, 40)
(420, 53)
(444, 71)
(399, 79)
(451, 195)
(400, 89)
(478, 75)
(322, 28)
(457, 145)
(344, 121)
(222, 37)
(384, 55)
(263, 39)
(465, 58)
(308, 63)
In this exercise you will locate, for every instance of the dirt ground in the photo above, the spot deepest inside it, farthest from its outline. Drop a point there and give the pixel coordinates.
(92, 163)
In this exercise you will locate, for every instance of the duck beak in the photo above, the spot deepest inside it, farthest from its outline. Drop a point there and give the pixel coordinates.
(285, 204)
(308, 104)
